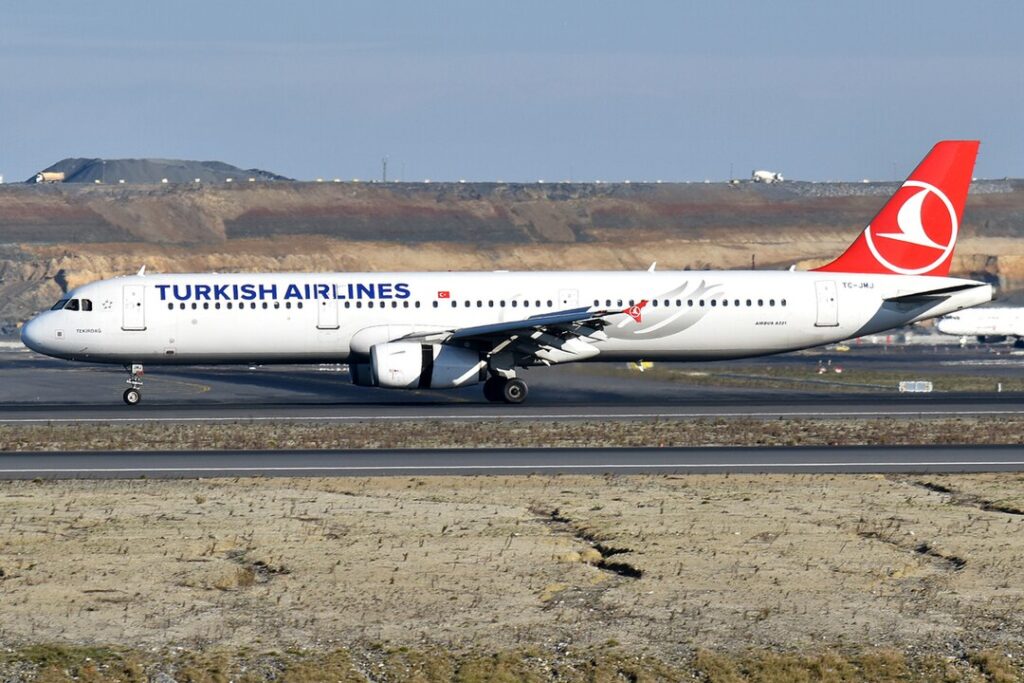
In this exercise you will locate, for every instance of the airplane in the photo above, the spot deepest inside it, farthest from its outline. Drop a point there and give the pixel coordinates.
(987, 324)
(437, 330)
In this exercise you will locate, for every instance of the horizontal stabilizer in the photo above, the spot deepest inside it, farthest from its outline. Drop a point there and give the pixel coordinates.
(931, 294)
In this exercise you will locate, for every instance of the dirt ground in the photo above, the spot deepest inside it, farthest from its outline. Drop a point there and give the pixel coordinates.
(691, 574)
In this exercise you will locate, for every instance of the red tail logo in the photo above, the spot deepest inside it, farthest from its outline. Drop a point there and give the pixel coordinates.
(915, 232)
(636, 312)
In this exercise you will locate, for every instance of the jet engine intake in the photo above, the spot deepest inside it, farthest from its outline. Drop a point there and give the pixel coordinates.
(408, 365)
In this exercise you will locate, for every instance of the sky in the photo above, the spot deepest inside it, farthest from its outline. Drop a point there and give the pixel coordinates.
(514, 91)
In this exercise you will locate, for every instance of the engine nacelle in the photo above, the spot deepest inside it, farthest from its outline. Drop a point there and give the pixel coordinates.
(408, 365)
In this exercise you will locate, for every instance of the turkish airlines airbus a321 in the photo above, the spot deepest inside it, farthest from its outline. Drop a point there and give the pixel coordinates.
(442, 330)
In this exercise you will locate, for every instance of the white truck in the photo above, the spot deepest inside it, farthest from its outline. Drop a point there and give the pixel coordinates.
(766, 177)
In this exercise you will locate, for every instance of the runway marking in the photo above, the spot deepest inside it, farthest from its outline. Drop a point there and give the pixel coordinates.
(616, 466)
(937, 412)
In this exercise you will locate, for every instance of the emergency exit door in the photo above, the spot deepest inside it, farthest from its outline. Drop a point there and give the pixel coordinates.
(828, 304)
(327, 314)
(133, 307)
(568, 298)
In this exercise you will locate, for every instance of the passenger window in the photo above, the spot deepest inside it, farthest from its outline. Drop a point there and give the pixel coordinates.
(299, 304)
(394, 304)
(454, 304)
(749, 302)
(689, 302)
(206, 305)
(760, 302)
(549, 303)
(725, 302)
(736, 302)
(59, 305)
(405, 304)
(771, 302)
(714, 302)
(668, 302)
(479, 304)
(783, 302)
(72, 305)
(277, 304)
(217, 305)
(182, 305)
(607, 302)
(230, 305)
(501, 304)
(195, 305)
(526, 303)
(416, 304)
(514, 303)
(654, 303)
(701, 302)
(170, 307)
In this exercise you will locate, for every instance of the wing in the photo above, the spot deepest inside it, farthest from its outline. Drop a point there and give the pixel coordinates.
(546, 338)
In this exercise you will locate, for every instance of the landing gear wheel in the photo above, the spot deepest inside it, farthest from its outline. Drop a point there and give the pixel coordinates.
(132, 396)
(493, 389)
(514, 391)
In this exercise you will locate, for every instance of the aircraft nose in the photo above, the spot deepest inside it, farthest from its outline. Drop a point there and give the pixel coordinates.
(32, 335)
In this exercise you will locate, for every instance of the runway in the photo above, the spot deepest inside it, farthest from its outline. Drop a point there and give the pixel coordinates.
(415, 462)
(36, 389)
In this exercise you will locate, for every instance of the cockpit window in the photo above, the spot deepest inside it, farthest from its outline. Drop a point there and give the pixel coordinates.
(72, 305)
(86, 304)
(59, 305)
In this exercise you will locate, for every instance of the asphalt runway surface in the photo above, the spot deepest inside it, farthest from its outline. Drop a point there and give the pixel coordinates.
(35, 388)
(435, 462)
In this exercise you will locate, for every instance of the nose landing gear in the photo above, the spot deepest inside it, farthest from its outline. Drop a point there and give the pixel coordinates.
(132, 395)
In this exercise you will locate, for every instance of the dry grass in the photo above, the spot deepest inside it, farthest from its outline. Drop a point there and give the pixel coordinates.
(604, 664)
(522, 433)
(785, 577)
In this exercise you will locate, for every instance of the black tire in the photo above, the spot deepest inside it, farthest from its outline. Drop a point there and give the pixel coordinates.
(132, 396)
(493, 389)
(514, 391)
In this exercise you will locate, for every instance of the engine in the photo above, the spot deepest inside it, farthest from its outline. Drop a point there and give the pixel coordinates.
(408, 365)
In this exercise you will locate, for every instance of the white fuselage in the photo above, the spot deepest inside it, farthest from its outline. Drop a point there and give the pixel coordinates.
(984, 322)
(303, 318)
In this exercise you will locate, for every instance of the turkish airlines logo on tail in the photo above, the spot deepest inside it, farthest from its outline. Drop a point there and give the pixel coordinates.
(636, 312)
(920, 236)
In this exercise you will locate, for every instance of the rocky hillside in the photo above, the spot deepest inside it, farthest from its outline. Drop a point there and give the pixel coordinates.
(61, 235)
(142, 171)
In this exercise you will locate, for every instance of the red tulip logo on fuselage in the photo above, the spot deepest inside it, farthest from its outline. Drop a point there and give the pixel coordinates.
(920, 236)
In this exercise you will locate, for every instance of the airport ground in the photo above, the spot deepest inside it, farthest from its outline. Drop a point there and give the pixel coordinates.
(902, 575)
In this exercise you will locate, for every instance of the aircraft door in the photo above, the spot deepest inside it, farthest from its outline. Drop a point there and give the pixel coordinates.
(568, 298)
(828, 304)
(133, 298)
(327, 314)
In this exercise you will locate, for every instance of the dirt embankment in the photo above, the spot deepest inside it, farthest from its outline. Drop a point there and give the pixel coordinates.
(656, 568)
(62, 235)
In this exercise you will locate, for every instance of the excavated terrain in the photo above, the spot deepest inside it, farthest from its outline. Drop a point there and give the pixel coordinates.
(57, 236)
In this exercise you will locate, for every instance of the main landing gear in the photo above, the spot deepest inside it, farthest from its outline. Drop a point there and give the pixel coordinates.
(512, 390)
(132, 395)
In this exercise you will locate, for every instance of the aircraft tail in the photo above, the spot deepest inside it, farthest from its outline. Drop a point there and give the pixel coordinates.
(915, 232)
